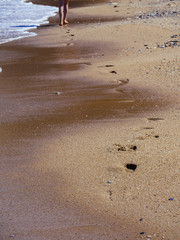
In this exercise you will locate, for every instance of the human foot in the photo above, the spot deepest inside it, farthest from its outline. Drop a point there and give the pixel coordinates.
(66, 22)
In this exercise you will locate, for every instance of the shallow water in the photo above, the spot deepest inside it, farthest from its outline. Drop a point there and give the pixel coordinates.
(18, 16)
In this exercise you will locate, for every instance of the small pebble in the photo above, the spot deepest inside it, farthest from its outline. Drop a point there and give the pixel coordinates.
(57, 93)
(12, 236)
(0, 69)
(140, 219)
(113, 72)
(156, 136)
(133, 147)
(171, 199)
(109, 181)
(142, 233)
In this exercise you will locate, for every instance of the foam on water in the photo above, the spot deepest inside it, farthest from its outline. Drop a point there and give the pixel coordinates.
(18, 16)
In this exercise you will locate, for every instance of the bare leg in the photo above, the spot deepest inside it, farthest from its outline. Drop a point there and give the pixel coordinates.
(66, 6)
(61, 12)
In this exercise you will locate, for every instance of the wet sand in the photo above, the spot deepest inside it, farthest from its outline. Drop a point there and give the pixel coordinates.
(78, 104)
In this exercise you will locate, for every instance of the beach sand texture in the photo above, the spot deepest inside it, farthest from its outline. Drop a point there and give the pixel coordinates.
(90, 118)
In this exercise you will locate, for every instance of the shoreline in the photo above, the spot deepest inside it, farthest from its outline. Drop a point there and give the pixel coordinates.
(50, 142)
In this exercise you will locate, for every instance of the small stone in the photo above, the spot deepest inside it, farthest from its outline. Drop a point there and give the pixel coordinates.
(161, 46)
(133, 147)
(57, 93)
(156, 136)
(0, 69)
(174, 36)
(140, 219)
(11, 236)
(142, 233)
(113, 72)
(170, 199)
(109, 181)
(131, 166)
(69, 44)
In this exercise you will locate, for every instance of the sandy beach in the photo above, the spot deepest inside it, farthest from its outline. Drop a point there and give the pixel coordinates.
(89, 123)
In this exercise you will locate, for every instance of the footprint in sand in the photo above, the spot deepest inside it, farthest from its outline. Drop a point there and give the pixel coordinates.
(148, 135)
(110, 194)
(116, 169)
(121, 148)
(144, 137)
(155, 119)
(109, 65)
(125, 167)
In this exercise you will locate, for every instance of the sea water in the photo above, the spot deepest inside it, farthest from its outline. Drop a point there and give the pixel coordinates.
(18, 16)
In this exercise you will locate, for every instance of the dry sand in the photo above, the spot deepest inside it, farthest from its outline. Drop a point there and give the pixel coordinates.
(78, 104)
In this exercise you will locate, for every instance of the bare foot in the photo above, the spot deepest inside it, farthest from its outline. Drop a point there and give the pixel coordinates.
(66, 22)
